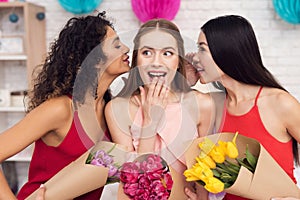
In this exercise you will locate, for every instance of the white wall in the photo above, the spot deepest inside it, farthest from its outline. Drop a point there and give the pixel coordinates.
(279, 41)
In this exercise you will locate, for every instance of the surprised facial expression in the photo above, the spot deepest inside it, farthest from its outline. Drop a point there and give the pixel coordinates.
(157, 57)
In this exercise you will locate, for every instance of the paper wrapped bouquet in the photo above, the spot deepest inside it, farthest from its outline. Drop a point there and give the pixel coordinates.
(268, 179)
(79, 177)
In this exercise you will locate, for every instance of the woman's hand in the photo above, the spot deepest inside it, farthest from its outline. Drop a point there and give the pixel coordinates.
(153, 106)
(200, 194)
(190, 71)
(41, 193)
(192, 195)
(154, 102)
(285, 198)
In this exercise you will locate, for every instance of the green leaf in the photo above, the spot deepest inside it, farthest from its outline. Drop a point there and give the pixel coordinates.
(225, 177)
(245, 164)
(235, 166)
(216, 173)
(227, 185)
(89, 159)
(200, 182)
(225, 169)
(233, 169)
(252, 160)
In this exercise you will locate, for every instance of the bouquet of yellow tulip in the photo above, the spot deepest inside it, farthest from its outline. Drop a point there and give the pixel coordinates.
(215, 167)
(237, 165)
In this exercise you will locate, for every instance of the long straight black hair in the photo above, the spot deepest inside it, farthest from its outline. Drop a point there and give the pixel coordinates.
(234, 48)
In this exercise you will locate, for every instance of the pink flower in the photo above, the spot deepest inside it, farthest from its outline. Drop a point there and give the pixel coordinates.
(144, 181)
(142, 194)
(147, 178)
(168, 181)
(153, 163)
(131, 188)
(130, 172)
(155, 175)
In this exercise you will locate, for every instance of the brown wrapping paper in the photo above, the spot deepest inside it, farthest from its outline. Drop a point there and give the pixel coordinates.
(269, 179)
(79, 178)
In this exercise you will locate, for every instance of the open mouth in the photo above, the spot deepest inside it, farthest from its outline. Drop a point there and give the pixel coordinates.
(157, 74)
(199, 69)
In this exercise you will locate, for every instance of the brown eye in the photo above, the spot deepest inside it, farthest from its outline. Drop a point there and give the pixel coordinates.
(168, 53)
(146, 53)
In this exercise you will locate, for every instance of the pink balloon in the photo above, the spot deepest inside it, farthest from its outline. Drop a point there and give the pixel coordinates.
(152, 9)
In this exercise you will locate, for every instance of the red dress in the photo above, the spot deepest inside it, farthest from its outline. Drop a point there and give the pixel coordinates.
(47, 160)
(251, 125)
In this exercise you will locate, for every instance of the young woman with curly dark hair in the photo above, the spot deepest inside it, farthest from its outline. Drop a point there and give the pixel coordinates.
(84, 60)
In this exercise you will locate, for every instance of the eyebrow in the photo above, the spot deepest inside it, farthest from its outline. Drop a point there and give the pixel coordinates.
(202, 43)
(147, 47)
(116, 39)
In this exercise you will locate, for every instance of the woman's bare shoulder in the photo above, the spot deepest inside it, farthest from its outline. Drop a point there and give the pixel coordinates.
(279, 100)
(58, 106)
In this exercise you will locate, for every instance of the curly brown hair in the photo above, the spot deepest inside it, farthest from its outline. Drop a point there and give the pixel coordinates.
(79, 37)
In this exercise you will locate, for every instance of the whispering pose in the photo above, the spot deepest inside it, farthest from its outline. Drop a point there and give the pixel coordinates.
(256, 105)
(51, 122)
(157, 111)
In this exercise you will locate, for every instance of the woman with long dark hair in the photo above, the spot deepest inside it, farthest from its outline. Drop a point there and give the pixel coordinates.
(255, 105)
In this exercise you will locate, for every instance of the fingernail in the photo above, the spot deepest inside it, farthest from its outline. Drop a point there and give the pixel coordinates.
(42, 186)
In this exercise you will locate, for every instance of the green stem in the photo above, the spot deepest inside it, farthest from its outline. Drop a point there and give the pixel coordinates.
(112, 148)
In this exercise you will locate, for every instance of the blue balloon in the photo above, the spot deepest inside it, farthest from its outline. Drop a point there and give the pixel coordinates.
(80, 6)
(40, 16)
(13, 17)
(288, 10)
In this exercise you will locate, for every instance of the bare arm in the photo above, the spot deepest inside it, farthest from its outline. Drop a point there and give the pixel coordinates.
(6, 193)
(49, 116)
(207, 114)
(118, 121)
(290, 115)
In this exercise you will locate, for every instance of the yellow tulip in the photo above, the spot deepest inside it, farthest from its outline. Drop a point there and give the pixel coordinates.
(214, 185)
(222, 146)
(204, 158)
(217, 154)
(191, 175)
(207, 145)
(199, 171)
(232, 151)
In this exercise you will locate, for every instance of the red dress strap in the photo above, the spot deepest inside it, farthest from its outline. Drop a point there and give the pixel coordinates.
(257, 95)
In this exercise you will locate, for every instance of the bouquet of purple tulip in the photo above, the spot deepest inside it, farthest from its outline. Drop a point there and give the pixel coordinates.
(92, 170)
(104, 159)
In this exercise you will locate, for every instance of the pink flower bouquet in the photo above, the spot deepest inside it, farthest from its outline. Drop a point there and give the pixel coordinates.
(148, 177)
